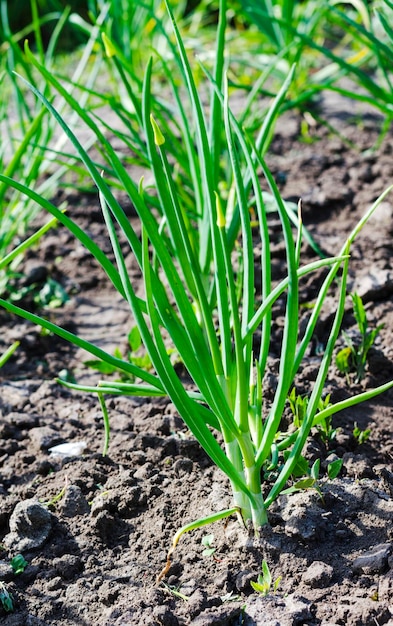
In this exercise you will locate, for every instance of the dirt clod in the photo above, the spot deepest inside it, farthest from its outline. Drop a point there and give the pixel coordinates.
(30, 525)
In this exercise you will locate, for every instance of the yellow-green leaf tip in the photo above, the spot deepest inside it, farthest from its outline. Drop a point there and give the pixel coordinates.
(110, 49)
(159, 138)
(220, 213)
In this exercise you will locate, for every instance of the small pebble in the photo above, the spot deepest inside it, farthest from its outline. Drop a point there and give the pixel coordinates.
(164, 616)
(68, 566)
(30, 525)
(318, 575)
(196, 602)
(374, 561)
(74, 502)
(189, 587)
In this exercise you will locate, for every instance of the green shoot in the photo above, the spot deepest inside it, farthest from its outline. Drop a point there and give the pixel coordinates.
(264, 584)
(334, 468)
(207, 542)
(174, 592)
(6, 599)
(310, 482)
(353, 358)
(53, 502)
(8, 353)
(360, 435)
(210, 519)
(51, 294)
(18, 564)
(298, 405)
(326, 430)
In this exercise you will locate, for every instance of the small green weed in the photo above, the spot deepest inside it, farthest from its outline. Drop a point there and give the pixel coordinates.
(298, 405)
(51, 294)
(18, 564)
(360, 435)
(173, 591)
(6, 599)
(309, 476)
(334, 468)
(56, 499)
(135, 355)
(207, 542)
(309, 480)
(353, 358)
(264, 584)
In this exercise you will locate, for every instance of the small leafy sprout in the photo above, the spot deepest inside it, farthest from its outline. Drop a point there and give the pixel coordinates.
(173, 591)
(344, 360)
(334, 468)
(208, 541)
(326, 431)
(66, 375)
(264, 584)
(325, 428)
(6, 599)
(18, 564)
(309, 482)
(51, 294)
(361, 436)
(299, 404)
(135, 355)
(56, 499)
(353, 358)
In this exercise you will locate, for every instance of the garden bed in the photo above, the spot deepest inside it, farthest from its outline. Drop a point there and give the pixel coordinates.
(105, 524)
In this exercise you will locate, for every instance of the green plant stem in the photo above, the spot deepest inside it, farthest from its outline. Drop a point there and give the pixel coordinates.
(8, 353)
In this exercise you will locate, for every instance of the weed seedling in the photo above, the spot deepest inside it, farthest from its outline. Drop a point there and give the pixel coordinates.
(310, 481)
(264, 584)
(56, 499)
(298, 405)
(6, 599)
(18, 564)
(172, 590)
(353, 358)
(360, 435)
(208, 541)
(334, 468)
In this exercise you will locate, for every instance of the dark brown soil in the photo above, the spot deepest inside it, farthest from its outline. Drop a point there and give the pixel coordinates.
(101, 544)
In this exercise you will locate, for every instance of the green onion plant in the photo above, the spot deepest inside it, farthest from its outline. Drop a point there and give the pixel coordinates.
(32, 148)
(199, 288)
(330, 41)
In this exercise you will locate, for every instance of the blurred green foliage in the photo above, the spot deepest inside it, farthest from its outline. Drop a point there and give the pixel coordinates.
(20, 15)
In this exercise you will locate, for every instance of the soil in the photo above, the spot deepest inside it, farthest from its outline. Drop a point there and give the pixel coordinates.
(95, 530)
